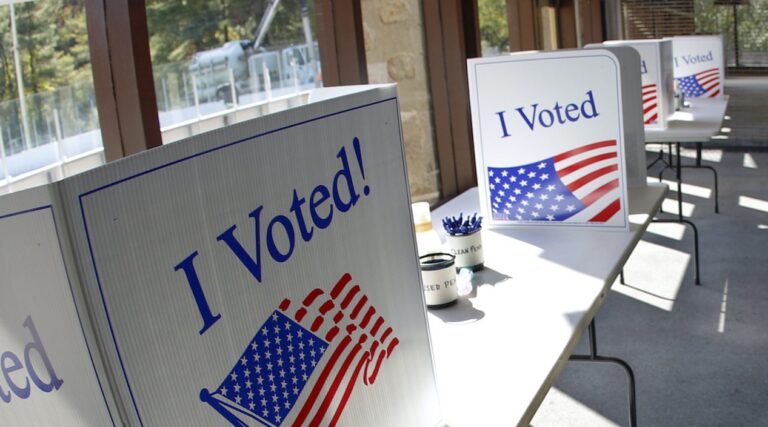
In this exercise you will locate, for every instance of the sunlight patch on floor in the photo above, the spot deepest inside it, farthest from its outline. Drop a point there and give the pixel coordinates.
(670, 206)
(752, 203)
(708, 155)
(689, 189)
(560, 409)
(723, 305)
(670, 230)
(657, 287)
(749, 161)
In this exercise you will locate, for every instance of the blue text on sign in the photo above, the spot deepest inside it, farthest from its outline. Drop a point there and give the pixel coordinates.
(547, 117)
(303, 217)
(17, 372)
(694, 59)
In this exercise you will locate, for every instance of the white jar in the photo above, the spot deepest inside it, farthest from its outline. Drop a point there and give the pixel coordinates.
(438, 276)
(468, 250)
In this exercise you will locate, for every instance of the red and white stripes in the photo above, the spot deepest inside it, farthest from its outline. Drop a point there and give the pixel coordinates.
(359, 341)
(591, 173)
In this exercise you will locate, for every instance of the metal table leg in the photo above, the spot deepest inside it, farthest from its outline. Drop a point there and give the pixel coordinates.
(679, 175)
(593, 357)
(659, 158)
(668, 164)
(680, 218)
(678, 166)
(695, 244)
(698, 165)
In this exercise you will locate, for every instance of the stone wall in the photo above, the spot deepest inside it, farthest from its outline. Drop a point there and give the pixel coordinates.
(395, 51)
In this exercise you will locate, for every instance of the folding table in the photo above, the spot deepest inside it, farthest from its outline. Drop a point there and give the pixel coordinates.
(498, 351)
(695, 124)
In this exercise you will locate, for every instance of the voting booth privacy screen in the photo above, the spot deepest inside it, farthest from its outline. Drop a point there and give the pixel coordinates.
(549, 132)
(699, 63)
(260, 274)
(51, 372)
(656, 70)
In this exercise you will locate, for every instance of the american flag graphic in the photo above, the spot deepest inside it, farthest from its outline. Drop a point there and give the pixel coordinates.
(325, 345)
(580, 185)
(705, 84)
(650, 104)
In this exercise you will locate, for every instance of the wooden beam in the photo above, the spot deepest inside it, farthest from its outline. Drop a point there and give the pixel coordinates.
(470, 21)
(521, 19)
(591, 21)
(449, 27)
(341, 41)
(438, 85)
(566, 24)
(122, 75)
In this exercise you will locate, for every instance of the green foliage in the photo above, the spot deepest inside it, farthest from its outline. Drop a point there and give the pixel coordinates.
(53, 46)
(199, 25)
(494, 31)
(752, 23)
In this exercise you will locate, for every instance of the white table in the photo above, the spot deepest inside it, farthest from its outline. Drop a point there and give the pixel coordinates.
(697, 123)
(499, 351)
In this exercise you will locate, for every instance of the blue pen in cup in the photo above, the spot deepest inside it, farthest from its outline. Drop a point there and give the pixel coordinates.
(464, 241)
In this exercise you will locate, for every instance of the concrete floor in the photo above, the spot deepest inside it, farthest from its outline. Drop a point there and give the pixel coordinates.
(746, 113)
(700, 353)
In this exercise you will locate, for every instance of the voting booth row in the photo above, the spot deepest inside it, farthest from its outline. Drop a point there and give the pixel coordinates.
(260, 274)
(266, 273)
(683, 103)
(674, 68)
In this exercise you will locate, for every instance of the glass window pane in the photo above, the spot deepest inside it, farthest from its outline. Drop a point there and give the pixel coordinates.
(742, 23)
(744, 26)
(226, 56)
(494, 31)
(49, 124)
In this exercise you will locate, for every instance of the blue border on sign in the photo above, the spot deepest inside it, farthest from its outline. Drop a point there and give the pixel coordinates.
(157, 168)
(71, 291)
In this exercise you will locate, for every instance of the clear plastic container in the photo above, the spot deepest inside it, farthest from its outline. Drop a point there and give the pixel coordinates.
(427, 239)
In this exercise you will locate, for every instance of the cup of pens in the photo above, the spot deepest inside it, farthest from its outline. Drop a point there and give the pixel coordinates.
(464, 241)
(438, 276)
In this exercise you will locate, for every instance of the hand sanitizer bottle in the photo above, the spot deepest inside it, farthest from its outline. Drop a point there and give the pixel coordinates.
(427, 239)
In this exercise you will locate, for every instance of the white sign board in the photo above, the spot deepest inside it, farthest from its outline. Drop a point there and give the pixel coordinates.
(48, 373)
(699, 65)
(260, 274)
(656, 70)
(549, 137)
